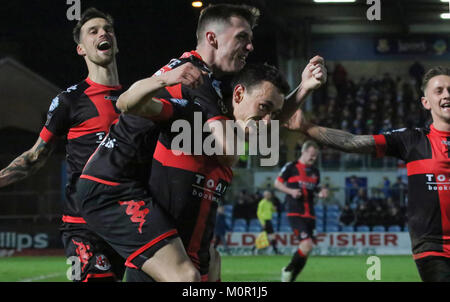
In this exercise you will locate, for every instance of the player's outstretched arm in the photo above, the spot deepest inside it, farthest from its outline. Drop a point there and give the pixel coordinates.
(139, 98)
(313, 76)
(27, 163)
(334, 138)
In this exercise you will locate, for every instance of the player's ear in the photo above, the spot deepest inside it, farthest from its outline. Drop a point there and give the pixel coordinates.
(211, 39)
(238, 93)
(425, 103)
(80, 50)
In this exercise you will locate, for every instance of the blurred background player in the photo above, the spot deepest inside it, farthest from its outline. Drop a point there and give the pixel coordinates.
(426, 153)
(300, 181)
(264, 213)
(82, 114)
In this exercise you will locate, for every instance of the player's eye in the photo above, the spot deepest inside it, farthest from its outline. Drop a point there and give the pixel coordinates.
(264, 107)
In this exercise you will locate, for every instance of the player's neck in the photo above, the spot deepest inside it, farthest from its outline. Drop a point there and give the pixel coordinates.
(107, 76)
(208, 56)
(302, 161)
(441, 125)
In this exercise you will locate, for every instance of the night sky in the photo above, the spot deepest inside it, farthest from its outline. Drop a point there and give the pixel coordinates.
(149, 33)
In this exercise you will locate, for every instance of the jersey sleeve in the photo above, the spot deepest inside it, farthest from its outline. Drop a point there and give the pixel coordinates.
(283, 176)
(58, 119)
(395, 143)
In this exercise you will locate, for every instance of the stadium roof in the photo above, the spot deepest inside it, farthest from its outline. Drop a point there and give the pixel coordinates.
(26, 94)
(397, 16)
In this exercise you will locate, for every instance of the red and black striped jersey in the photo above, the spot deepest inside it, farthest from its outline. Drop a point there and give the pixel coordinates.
(126, 153)
(187, 185)
(296, 175)
(82, 114)
(426, 153)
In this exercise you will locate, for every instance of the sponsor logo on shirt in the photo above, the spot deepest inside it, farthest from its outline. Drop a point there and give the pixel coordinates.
(439, 182)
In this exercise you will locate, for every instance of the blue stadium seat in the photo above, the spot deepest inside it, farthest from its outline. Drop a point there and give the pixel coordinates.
(319, 214)
(239, 228)
(378, 228)
(240, 222)
(362, 228)
(394, 228)
(254, 222)
(348, 228)
(405, 229)
(318, 207)
(330, 221)
(284, 221)
(229, 221)
(255, 228)
(285, 228)
(332, 228)
(333, 214)
(332, 207)
(319, 228)
(320, 221)
(228, 208)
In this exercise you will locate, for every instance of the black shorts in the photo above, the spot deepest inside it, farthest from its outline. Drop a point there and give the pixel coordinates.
(95, 259)
(196, 229)
(268, 227)
(303, 228)
(434, 269)
(126, 217)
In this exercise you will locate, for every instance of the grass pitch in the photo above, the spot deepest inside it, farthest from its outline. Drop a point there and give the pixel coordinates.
(236, 269)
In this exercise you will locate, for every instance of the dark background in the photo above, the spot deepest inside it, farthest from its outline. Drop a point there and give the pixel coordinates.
(149, 34)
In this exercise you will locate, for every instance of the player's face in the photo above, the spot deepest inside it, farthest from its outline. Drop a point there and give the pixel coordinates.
(262, 102)
(309, 156)
(234, 43)
(437, 98)
(97, 42)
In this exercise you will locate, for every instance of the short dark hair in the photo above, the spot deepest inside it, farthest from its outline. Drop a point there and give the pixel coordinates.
(308, 144)
(254, 74)
(90, 13)
(223, 12)
(433, 72)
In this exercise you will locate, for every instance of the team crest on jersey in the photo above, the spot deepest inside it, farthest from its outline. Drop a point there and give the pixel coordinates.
(102, 263)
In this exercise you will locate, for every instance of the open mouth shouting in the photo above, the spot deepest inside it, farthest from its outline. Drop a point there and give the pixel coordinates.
(104, 45)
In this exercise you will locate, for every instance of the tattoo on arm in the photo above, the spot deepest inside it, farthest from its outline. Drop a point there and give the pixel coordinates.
(27, 163)
(343, 141)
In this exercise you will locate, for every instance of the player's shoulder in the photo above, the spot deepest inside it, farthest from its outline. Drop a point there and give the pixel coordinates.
(408, 133)
(288, 165)
(72, 92)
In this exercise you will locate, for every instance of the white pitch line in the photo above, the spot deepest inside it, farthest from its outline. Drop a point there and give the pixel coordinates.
(42, 277)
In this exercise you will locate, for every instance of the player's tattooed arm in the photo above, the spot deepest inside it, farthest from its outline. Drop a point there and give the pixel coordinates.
(27, 163)
(342, 140)
(334, 138)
